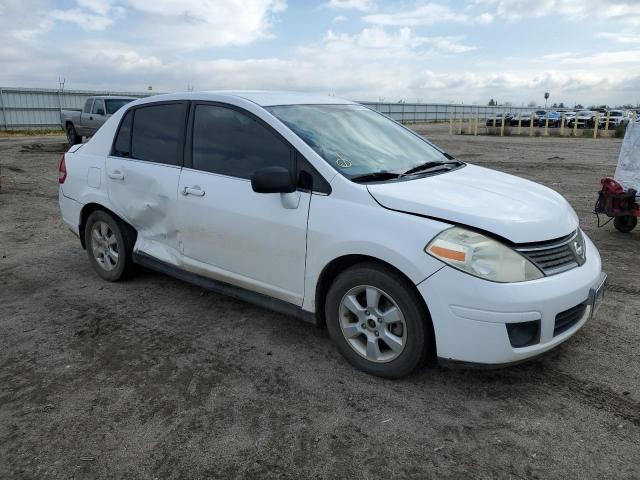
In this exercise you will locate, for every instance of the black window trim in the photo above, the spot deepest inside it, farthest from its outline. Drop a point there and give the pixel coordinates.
(181, 134)
(295, 164)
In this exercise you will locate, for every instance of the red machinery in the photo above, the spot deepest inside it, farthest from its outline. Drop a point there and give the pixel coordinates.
(615, 202)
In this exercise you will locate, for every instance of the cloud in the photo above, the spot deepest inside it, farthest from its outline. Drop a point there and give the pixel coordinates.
(378, 44)
(339, 18)
(397, 55)
(362, 5)
(425, 14)
(619, 37)
(517, 10)
(180, 24)
(86, 21)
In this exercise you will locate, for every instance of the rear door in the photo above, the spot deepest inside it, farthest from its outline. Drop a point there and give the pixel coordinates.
(142, 174)
(229, 232)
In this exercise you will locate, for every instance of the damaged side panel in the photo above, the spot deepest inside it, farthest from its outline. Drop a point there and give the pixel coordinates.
(144, 194)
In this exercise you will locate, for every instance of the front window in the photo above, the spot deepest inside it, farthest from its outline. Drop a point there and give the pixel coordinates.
(357, 141)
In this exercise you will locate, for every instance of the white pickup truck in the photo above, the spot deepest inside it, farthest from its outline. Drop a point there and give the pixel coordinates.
(85, 123)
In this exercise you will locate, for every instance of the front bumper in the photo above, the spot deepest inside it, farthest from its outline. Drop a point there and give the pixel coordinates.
(469, 314)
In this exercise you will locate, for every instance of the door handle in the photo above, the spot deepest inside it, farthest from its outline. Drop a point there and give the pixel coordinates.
(90, 118)
(116, 175)
(194, 190)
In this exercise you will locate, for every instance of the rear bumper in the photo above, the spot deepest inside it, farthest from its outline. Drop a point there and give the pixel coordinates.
(470, 314)
(70, 210)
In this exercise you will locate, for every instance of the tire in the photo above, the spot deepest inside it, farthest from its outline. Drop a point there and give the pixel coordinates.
(72, 136)
(109, 248)
(365, 338)
(625, 223)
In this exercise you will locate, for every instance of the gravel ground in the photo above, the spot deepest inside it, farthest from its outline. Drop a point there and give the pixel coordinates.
(155, 378)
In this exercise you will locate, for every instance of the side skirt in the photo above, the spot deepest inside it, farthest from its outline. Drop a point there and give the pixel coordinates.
(239, 293)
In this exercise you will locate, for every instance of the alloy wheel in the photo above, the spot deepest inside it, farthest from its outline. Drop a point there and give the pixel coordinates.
(373, 324)
(104, 245)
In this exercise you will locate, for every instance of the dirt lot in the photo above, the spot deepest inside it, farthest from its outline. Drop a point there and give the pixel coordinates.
(155, 378)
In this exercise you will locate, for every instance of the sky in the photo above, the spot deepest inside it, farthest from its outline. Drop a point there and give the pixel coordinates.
(466, 51)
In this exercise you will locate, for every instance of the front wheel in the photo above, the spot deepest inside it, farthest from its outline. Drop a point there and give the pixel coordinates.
(625, 223)
(377, 321)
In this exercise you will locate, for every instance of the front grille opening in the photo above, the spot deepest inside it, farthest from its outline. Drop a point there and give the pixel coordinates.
(524, 334)
(553, 257)
(567, 319)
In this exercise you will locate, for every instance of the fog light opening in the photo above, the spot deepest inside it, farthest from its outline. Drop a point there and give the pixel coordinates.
(524, 334)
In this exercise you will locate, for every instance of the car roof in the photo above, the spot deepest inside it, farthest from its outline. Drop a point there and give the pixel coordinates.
(114, 97)
(264, 98)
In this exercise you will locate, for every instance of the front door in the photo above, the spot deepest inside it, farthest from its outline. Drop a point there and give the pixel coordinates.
(229, 232)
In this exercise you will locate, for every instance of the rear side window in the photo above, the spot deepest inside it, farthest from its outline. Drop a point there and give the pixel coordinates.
(157, 133)
(122, 145)
(98, 107)
(229, 142)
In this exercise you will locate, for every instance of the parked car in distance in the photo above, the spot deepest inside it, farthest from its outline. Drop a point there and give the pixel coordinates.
(616, 118)
(96, 111)
(569, 116)
(324, 209)
(585, 119)
(554, 119)
(498, 119)
(523, 118)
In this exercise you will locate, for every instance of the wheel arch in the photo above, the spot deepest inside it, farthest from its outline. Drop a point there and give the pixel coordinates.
(91, 207)
(340, 264)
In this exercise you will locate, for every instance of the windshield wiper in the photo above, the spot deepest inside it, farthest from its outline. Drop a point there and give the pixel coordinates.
(428, 166)
(375, 176)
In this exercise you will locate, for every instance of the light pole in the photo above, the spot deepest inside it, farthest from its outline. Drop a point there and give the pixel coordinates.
(546, 97)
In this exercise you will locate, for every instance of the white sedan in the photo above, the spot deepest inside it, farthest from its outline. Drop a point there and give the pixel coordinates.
(324, 209)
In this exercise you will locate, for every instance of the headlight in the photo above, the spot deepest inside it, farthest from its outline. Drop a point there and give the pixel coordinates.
(481, 256)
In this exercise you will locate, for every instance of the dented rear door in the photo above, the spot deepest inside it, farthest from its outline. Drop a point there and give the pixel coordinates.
(143, 173)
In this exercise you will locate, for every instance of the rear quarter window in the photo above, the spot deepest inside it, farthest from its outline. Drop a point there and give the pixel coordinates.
(122, 144)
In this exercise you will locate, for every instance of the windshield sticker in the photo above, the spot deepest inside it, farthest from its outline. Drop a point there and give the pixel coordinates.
(343, 162)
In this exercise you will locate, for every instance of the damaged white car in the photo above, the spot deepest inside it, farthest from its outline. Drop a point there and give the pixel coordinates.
(322, 208)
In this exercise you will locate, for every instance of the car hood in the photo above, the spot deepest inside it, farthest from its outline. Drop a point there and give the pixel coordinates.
(511, 207)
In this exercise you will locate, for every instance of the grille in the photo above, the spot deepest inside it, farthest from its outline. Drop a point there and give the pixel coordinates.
(567, 319)
(555, 256)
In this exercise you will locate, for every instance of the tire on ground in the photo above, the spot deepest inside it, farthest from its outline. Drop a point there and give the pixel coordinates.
(124, 238)
(419, 332)
(625, 223)
(72, 136)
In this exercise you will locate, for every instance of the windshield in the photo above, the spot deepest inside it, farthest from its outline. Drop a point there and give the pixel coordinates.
(114, 105)
(355, 140)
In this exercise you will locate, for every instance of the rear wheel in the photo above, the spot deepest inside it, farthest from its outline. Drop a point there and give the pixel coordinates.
(109, 243)
(625, 223)
(377, 321)
(72, 136)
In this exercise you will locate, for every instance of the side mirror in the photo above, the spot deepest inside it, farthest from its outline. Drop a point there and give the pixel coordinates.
(272, 180)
